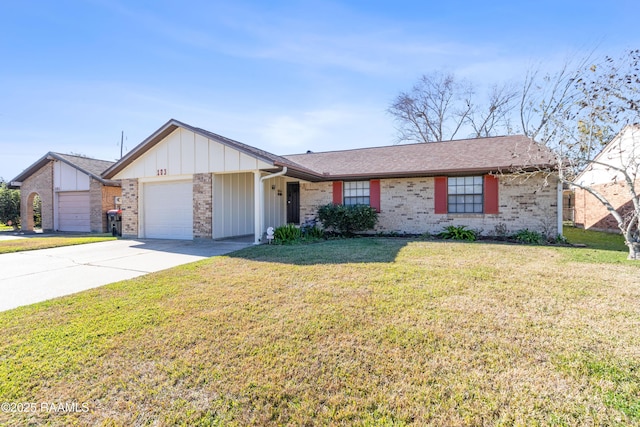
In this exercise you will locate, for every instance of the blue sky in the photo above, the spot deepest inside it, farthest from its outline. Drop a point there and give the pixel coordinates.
(284, 76)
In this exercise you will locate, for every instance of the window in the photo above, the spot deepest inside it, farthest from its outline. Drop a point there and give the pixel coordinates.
(465, 194)
(356, 193)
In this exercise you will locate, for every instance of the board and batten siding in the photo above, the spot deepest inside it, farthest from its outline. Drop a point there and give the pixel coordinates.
(67, 178)
(184, 152)
(275, 206)
(233, 205)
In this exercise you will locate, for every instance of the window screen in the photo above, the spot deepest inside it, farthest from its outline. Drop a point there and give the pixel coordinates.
(356, 193)
(465, 194)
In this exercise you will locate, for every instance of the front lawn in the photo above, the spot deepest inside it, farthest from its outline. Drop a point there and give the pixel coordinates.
(367, 331)
(46, 242)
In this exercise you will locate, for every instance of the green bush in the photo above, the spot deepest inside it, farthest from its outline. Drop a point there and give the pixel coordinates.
(9, 204)
(347, 219)
(37, 212)
(529, 236)
(311, 232)
(458, 233)
(287, 234)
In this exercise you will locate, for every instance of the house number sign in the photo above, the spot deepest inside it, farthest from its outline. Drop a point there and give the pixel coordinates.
(162, 172)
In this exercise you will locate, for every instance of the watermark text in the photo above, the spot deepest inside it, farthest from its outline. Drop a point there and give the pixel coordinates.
(49, 407)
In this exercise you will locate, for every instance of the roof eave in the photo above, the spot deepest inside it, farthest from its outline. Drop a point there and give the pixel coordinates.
(165, 131)
(141, 148)
(33, 168)
(437, 172)
(42, 161)
(103, 181)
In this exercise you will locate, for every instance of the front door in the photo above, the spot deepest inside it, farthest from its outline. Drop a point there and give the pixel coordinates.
(293, 203)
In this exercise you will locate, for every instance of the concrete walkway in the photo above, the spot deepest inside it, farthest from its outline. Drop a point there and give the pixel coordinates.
(33, 276)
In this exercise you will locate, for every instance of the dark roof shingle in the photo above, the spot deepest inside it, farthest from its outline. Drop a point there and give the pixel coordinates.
(502, 153)
(91, 167)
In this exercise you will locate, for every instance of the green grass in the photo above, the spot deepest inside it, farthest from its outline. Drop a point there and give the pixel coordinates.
(595, 239)
(4, 227)
(369, 332)
(600, 246)
(35, 242)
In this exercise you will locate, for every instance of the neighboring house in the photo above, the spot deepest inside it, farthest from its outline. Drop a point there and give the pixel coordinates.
(623, 151)
(73, 194)
(184, 182)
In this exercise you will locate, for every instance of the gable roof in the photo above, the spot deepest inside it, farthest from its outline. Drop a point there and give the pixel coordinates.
(86, 165)
(166, 129)
(502, 153)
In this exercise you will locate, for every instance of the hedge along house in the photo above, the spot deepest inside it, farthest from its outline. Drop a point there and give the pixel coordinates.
(73, 194)
(184, 182)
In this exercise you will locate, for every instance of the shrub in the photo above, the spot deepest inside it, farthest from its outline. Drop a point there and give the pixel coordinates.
(313, 232)
(287, 234)
(37, 212)
(501, 231)
(347, 219)
(458, 233)
(529, 236)
(9, 204)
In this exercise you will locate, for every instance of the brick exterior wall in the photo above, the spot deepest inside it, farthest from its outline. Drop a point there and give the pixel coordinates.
(407, 206)
(312, 196)
(40, 182)
(108, 202)
(101, 200)
(202, 206)
(592, 214)
(97, 223)
(130, 208)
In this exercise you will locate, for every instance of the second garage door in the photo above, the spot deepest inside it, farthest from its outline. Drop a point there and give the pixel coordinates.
(168, 210)
(74, 211)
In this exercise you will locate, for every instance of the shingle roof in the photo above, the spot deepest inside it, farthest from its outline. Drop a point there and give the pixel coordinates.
(502, 153)
(91, 167)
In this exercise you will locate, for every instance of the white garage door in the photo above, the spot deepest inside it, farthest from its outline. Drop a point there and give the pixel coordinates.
(168, 210)
(74, 211)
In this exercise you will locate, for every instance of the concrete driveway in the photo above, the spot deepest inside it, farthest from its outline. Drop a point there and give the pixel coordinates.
(33, 276)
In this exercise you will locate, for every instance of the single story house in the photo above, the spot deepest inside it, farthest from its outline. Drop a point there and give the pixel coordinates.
(604, 176)
(184, 182)
(74, 195)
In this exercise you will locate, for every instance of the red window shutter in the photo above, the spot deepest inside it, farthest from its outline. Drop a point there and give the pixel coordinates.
(374, 194)
(337, 192)
(491, 205)
(441, 194)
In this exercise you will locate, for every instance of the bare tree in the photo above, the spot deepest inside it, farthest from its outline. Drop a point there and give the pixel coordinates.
(576, 112)
(439, 107)
(493, 117)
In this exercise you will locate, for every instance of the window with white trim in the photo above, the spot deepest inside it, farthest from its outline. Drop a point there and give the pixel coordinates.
(356, 193)
(465, 194)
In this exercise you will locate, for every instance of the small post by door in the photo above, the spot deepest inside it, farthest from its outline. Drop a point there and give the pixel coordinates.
(293, 203)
